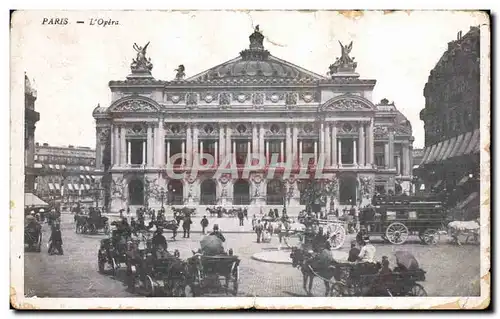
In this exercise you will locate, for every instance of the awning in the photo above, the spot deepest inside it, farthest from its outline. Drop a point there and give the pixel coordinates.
(438, 183)
(58, 187)
(63, 166)
(474, 141)
(32, 200)
(87, 168)
(81, 168)
(87, 186)
(457, 146)
(443, 149)
(465, 144)
(428, 151)
(463, 180)
(468, 200)
(70, 187)
(434, 154)
(51, 166)
(57, 166)
(82, 177)
(51, 186)
(38, 165)
(450, 147)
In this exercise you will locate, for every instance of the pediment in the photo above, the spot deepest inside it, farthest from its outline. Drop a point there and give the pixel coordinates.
(135, 104)
(348, 102)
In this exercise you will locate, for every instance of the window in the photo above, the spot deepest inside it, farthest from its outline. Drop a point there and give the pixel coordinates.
(380, 160)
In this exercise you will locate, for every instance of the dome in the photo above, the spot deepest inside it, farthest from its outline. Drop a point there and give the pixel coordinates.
(266, 68)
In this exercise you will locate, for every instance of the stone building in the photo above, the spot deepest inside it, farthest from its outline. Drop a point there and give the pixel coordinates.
(451, 115)
(30, 118)
(66, 174)
(254, 106)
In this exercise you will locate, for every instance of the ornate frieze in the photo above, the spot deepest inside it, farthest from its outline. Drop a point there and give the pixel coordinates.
(225, 99)
(309, 97)
(307, 129)
(137, 129)
(209, 97)
(380, 131)
(192, 99)
(209, 130)
(176, 97)
(175, 129)
(134, 106)
(275, 130)
(347, 105)
(241, 97)
(275, 97)
(242, 129)
(367, 186)
(348, 127)
(291, 98)
(258, 99)
(117, 187)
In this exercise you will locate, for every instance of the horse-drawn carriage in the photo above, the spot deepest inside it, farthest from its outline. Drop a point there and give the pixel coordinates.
(92, 224)
(112, 252)
(370, 280)
(184, 210)
(396, 218)
(32, 235)
(297, 234)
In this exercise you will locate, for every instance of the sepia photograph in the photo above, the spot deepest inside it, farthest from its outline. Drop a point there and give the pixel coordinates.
(217, 159)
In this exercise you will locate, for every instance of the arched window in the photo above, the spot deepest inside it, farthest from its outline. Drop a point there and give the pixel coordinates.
(241, 193)
(275, 192)
(208, 192)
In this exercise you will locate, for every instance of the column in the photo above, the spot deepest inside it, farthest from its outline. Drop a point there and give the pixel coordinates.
(168, 152)
(321, 139)
(183, 153)
(195, 139)
(149, 146)
(113, 145)
(129, 153)
(391, 149)
(288, 153)
(361, 140)
(122, 145)
(255, 138)
(334, 145)
(222, 143)
(189, 145)
(143, 153)
(370, 147)
(248, 152)
(386, 155)
(410, 160)
(216, 156)
(261, 140)
(267, 152)
(201, 152)
(354, 153)
(161, 144)
(295, 152)
(340, 151)
(398, 165)
(233, 150)
(282, 151)
(328, 144)
(228, 141)
(300, 153)
(315, 152)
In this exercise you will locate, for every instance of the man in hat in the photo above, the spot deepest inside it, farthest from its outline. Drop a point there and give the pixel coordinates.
(354, 252)
(55, 240)
(217, 232)
(158, 239)
(204, 224)
(367, 252)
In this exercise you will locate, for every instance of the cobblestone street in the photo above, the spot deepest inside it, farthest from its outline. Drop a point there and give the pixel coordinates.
(451, 271)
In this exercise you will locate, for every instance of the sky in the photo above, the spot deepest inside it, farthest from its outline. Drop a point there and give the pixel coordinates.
(72, 64)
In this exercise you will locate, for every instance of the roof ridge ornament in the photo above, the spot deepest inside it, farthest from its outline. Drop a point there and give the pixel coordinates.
(344, 64)
(256, 51)
(141, 64)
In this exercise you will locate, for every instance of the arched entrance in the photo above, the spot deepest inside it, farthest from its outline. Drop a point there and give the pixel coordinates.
(136, 192)
(275, 192)
(348, 189)
(208, 194)
(175, 192)
(241, 192)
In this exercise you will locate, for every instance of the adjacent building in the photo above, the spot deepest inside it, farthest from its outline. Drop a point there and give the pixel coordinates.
(31, 117)
(451, 115)
(253, 104)
(66, 174)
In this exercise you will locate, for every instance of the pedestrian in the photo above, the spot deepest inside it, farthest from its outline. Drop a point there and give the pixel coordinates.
(259, 228)
(204, 224)
(353, 253)
(186, 225)
(254, 222)
(240, 217)
(55, 240)
(271, 213)
(276, 214)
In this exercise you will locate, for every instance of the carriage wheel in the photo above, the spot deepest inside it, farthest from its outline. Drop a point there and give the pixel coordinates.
(336, 236)
(149, 286)
(417, 291)
(396, 233)
(430, 236)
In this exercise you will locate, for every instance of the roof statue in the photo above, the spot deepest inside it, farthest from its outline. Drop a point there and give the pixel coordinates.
(141, 64)
(180, 72)
(256, 51)
(344, 64)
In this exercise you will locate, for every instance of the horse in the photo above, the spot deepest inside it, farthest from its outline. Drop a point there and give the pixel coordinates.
(305, 261)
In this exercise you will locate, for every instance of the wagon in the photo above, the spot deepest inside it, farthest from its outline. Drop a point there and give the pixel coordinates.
(86, 224)
(394, 219)
(334, 230)
(401, 281)
(33, 237)
(213, 274)
(112, 253)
